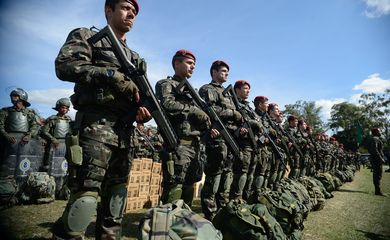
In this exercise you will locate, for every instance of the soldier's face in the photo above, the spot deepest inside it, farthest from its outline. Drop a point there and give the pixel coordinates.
(14, 99)
(184, 68)
(63, 110)
(294, 123)
(221, 75)
(275, 112)
(263, 106)
(122, 17)
(243, 92)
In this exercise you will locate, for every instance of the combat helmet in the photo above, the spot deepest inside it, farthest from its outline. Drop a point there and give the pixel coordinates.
(22, 95)
(62, 102)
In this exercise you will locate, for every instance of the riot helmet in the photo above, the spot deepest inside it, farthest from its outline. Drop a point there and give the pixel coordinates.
(22, 96)
(62, 102)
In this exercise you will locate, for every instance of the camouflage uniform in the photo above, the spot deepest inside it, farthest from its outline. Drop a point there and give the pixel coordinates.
(218, 170)
(184, 167)
(104, 128)
(377, 160)
(243, 167)
(295, 158)
(55, 131)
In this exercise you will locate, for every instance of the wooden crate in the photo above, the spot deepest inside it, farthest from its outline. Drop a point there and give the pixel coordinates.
(135, 177)
(155, 179)
(147, 164)
(136, 165)
(143, 190)
(156, 168)
(133, 190)
(145, 177)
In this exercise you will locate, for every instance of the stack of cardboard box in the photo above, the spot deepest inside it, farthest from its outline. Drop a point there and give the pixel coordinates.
(144, 186)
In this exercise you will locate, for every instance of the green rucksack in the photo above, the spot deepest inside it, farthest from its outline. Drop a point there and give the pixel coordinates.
(175, 221)
(39, 188)
(316, 196)
(289, 213)
(241, 221)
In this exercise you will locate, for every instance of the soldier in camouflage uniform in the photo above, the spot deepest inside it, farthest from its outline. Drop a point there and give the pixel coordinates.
(295, 158)
(99, 146)
(377, 159)
(184, 167)
(18, 127)
(247, 161)
(218, 170)
(303, 140)
(54, 132)
(156, 141)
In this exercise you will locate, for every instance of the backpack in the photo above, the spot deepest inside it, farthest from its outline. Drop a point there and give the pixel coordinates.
(174, 221)
(316, 196)
(39, 188)
(241, 221)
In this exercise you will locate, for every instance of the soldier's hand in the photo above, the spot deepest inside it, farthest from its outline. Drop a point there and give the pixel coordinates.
(121, 84)
(10, 139)
(143, 115)
(55, 142)
(214, 133)
(243, 131)
(290, 144)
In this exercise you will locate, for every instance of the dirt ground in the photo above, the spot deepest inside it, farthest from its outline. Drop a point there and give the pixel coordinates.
(354, 213)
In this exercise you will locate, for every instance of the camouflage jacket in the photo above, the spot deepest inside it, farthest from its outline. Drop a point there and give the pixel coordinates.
(5, 121)
(87, 66)
(212, 93)
(178, 107)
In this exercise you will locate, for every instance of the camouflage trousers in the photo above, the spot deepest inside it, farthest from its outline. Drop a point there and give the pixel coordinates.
(104, 171)
(216, 187)
(240, 170)
(377, 170)
(181, 170)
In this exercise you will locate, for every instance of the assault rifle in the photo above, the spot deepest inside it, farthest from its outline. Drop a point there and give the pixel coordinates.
(292, 141)
(146, 140)
(215, 120)
(148, 98)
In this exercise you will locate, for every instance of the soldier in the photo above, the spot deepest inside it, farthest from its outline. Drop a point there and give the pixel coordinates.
(218, 170)
(295, 158)
(303, 140)
(54, 132)
(377, 159)
(156, 143)
(18, 127)
(242, 166)
(184, 167)
(98, 148)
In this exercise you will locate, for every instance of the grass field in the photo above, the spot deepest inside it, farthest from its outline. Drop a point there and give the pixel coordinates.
(354, 213)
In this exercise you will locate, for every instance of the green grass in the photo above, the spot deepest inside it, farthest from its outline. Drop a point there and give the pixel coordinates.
(354, 213)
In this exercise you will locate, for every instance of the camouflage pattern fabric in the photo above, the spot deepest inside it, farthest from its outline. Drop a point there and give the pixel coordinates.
(175, 221)
(39, 188)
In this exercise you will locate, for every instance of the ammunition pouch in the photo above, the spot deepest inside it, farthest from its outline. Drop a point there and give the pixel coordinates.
(74, 153)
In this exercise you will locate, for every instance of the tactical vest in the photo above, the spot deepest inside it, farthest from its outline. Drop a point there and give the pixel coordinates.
(17, 121)
(103, 95)
(61, 128)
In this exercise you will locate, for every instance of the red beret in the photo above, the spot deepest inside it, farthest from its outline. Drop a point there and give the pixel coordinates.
(291, 118)
(182, 53)
(135, 4)
(261, 99)
(332, 139)
(374, 130)
(241, 83)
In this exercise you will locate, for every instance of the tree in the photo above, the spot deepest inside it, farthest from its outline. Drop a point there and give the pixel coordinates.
(307, 111)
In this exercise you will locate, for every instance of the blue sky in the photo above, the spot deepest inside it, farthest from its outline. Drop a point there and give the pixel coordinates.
(322, 51)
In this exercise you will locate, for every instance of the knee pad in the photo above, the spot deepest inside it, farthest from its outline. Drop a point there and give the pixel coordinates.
(173, 193)
(117, 200)
(79, 212)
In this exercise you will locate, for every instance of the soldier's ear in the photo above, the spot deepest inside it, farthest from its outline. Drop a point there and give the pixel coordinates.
(108, 12)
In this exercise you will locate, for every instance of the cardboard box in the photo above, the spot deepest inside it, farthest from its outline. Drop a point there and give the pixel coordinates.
(143, 190)
(145, 177)
(135, 177)
(154, 200)
(147, 164)
(136, 165)
(155, 179)
(132, 204)
(133, 190)
(156, 168)
(154, 190)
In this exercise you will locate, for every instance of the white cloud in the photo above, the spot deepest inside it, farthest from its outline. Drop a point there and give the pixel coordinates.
(48, 96)
(377, 8)
(373, 84)
(327, 105)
